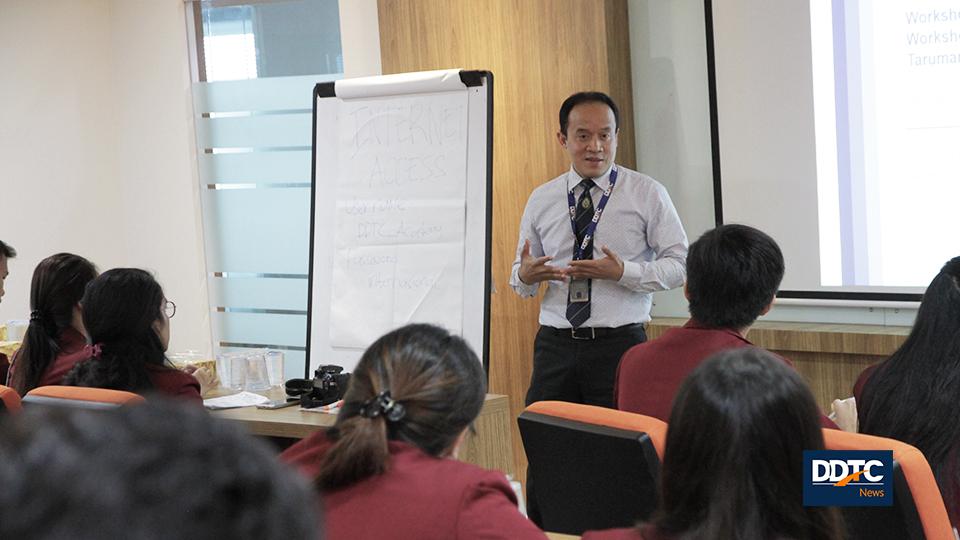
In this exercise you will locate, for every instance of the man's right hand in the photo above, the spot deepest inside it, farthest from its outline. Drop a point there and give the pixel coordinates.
(535, 269)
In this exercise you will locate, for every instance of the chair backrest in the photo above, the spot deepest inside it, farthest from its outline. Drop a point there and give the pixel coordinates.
(594, 468)
(918, 510)
(9, 400)
(80, 397)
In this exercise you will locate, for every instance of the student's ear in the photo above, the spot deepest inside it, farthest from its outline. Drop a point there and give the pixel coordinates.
(686, 291)
(769, 306)
(562, 139)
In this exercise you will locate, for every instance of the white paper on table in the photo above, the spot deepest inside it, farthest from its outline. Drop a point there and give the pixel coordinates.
(233, 401)
(379, 288)
(333, 408)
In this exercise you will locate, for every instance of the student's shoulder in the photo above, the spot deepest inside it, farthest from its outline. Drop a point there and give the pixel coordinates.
(650, 349)
(306, 454)
(862, 379)
(172, 381)
(453, 475)
(169, 373)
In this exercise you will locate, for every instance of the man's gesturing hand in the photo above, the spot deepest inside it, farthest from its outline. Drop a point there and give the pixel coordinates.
(535, 269)
(609, 267)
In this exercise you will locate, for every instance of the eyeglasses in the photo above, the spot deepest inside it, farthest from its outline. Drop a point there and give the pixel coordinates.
(169, 308)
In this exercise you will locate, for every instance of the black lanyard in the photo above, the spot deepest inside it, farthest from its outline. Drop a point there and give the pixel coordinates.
(592, 227)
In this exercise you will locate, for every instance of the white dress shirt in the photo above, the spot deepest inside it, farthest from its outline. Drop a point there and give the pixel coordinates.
(639, 224)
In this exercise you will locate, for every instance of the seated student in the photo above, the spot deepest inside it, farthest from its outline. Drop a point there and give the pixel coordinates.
(55, 340)
(128, 320)
(912, 396)
(387, 468)
(6, 252)
(151, 471)
(733, 273)
(731, 466)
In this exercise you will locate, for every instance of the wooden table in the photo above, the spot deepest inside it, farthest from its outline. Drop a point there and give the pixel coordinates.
(491, 447)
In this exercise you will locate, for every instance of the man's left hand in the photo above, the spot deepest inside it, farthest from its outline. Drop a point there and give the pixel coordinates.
(609, 267)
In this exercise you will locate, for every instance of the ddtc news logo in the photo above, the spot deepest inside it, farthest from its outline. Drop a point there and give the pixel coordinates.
(847, 477)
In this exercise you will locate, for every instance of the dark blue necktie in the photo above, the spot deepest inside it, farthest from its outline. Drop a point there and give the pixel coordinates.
(579, 312)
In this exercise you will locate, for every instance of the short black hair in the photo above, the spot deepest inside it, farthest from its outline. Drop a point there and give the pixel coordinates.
(586, 97)
(159, 469)
(6, 250)
(733, 272)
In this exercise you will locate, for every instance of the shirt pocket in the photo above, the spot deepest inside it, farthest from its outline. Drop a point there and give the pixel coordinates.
(625, 233)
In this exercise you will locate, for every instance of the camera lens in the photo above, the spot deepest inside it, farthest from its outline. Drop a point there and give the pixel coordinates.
(296, 387)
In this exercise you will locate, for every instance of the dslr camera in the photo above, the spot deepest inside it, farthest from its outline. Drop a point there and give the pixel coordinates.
(328, 385)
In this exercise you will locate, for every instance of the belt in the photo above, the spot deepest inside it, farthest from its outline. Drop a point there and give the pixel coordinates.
(590, 332)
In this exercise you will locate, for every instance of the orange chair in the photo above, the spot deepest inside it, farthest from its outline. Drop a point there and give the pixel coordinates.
(917, 511)
(9, 400)
(594, 468)
(80, 397)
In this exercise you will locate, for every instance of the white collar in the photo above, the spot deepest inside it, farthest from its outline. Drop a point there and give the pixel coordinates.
(574, 178)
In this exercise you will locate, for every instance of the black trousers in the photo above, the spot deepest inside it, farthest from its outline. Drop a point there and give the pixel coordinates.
(580, 371)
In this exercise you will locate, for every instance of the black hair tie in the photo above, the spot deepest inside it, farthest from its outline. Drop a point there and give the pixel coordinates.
(383, 405)
(36, 316)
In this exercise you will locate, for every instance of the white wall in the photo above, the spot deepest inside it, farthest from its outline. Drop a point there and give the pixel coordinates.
(672, 114)
(96, 147)
(360, 38)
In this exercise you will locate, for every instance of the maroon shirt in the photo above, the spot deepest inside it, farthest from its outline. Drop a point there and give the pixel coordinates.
(73, 349)
(419, 497)
(174, 382)
(861, 382)
(650, 374)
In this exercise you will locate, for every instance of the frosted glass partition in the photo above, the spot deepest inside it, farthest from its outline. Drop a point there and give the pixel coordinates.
(254, 140)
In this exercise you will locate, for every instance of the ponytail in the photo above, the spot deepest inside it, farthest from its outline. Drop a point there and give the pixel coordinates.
(360, 451)
(36, 354)
(419, 385)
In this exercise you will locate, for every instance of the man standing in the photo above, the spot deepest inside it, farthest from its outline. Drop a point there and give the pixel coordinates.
(604, 237)
(6, 252)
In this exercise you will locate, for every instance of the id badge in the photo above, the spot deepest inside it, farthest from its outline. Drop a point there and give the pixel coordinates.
(579, 290)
